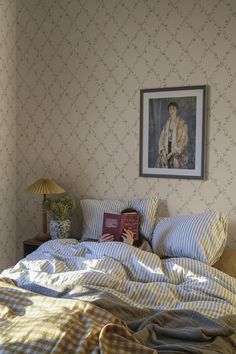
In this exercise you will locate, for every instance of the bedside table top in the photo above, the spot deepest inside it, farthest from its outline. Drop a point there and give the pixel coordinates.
(34, 241)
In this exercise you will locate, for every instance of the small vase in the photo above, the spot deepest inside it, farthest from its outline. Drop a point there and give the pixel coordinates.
(59, 229)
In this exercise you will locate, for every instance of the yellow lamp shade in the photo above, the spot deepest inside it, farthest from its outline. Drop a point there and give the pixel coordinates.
(45, 186)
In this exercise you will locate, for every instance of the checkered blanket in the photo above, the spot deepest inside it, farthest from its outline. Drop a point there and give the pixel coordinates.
(32, 323)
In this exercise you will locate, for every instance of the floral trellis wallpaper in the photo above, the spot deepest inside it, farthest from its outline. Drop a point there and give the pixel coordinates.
(7, 133)
(80, 67)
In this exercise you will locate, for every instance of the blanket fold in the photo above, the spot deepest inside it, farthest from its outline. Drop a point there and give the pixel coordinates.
(111, 297)
(181, 331)
(37, 324)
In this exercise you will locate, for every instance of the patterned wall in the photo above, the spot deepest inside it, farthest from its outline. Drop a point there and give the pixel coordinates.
(80, 66)
(7, 133)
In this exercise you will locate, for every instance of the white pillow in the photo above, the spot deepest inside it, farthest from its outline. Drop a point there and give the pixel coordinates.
(197, 236)
(93, 210)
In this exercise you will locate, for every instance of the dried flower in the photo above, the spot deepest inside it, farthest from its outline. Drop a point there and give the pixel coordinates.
(59, 209)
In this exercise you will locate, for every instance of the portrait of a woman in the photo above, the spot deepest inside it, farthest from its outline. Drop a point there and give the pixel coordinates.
(172, 132)
(173, 141)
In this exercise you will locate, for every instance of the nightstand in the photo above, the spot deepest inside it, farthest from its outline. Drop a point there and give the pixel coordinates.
(31, 245)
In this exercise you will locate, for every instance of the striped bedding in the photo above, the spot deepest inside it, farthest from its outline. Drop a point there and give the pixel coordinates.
(198, 236)
(69, 269)
(35, 324)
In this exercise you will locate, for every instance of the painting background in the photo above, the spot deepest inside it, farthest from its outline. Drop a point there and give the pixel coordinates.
(158, 115)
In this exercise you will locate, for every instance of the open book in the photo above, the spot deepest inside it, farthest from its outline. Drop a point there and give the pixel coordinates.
(114, 224)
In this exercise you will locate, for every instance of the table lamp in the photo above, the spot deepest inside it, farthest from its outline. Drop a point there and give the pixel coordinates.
(44, 186)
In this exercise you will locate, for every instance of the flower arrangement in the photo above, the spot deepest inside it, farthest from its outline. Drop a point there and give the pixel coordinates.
(59, 209)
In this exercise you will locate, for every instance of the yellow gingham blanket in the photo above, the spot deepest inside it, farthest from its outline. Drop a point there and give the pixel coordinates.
(32, 323)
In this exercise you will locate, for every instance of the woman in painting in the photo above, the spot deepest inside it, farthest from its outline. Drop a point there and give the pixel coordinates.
(173, 141)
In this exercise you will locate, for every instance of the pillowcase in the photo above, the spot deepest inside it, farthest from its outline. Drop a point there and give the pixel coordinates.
(147, 209)
(93, 210)
(92, 213)
(197, 236)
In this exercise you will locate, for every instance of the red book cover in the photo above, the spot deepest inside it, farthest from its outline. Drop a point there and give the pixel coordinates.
(114, 224)
(130, 221)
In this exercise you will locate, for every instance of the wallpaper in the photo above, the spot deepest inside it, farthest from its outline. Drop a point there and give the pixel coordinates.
(7, 133)
(80, 67)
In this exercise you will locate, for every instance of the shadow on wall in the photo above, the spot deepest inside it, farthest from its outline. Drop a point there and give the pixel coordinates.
(162, 208)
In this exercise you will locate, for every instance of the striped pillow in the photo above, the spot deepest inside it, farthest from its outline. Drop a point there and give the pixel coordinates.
(147, 208)
(197, 236)
(93, 210)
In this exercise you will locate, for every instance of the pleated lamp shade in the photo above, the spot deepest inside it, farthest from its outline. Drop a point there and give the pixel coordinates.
(45, 186)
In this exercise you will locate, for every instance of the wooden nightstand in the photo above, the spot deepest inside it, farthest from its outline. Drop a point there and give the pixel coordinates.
(31, 245)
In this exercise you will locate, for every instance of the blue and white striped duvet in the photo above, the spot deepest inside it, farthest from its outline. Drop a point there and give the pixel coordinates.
(138, 278)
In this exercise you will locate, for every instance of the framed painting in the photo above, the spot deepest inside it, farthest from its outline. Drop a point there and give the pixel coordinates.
(172, 132)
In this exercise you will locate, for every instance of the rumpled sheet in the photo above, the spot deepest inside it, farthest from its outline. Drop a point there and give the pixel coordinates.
(175, 331)
(35, 324)
(67, 268)
(185, 331)
(151, 305)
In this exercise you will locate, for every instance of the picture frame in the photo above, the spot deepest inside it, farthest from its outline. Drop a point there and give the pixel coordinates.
(172, 132)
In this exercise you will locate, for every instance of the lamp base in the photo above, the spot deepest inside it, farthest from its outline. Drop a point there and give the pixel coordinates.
(42, 237)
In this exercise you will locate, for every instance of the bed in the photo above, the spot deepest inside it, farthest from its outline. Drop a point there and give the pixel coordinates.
(73, 296)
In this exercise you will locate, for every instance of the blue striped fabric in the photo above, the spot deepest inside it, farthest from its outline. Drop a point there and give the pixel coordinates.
(93, 210)
(86, 270)
(92, 213)
(147, 208)
(197, 236)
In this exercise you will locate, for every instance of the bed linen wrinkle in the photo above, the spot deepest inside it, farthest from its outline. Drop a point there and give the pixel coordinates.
(199, 271)
(186, 332)
(190, 327)
(61, 326)
(136, 277)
